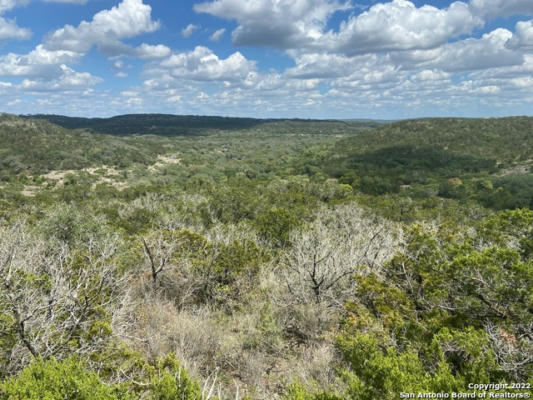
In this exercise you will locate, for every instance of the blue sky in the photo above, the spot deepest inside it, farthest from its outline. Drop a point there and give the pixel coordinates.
(267, 58)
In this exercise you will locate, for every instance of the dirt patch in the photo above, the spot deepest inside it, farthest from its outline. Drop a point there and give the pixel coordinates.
(163, 161)
(112, 182)
(29, 191)
(172, 159)
(521, 168)
(59, 175)
(104, 173)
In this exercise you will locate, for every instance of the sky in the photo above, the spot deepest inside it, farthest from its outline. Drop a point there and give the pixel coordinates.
(343, 59)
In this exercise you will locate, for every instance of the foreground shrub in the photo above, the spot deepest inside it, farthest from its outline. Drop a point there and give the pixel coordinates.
(53, 380)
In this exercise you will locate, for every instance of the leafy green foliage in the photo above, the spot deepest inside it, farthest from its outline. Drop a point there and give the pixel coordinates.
(452, 158)
(33, 146)
(170, 125)
(52, 380)
(276, 224)
(169, 381)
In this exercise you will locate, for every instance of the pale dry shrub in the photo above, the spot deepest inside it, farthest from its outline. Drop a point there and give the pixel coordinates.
(188, 333)
(316, 365)
(56, 300)
(325, 255)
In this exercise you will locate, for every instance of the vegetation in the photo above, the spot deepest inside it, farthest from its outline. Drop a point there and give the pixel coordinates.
(251, 259)
(176, 125)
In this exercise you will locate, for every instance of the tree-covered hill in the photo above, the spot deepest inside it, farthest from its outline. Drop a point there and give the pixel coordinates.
(176, 125)
(502, 139)
(485, 159)
(37, 146)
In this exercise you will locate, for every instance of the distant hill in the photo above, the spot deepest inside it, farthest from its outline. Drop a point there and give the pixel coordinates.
(176, 125)
(157, 124)
(504, 139)
(435, 153)
(37, 146)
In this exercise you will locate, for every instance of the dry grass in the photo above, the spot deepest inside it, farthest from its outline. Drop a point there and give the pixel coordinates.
(252, 351)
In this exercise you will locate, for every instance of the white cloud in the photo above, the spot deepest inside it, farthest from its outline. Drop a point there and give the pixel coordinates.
(502, 8)
(490, 51)
(130, 18)
(487, 90)
(118, 65)
(523, 36)
(39, 62)
(67, 81)
(276, 23)
(217, 35)
(323, 65)
(400, 25)
(6, 5)
(430, 75)
(149, 52)
(203, 65)
(8, 28)
(46, 67)
(392, 26)
(523, 82)
(189, 30)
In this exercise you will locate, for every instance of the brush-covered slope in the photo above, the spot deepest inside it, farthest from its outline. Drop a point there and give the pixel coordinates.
(187, 125)
(37, 146)
(503, 139)
(489, 160)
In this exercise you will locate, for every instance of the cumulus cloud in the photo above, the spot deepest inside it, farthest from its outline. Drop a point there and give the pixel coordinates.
(523, 37)
(502, 8)
(189, 30)
(276, 23)
(400, 25)
(324, 66)
(203, 65)
(150, 52)
(217, 35)
(391, 26)
(39, 62)
(130, 18)
(46, 67)
(9, 28)
(68, 80)
(490, 51)
(430, 75)
(6, 5)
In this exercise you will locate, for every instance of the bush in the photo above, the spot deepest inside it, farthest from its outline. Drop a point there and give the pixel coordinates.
(53, 380)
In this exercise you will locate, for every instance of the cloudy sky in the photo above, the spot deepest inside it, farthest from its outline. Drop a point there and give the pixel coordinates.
(267, 58)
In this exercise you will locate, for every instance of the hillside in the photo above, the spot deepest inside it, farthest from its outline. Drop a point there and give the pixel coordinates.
(177, 125)
(502, 139)
(486, 159)
(37, 146)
